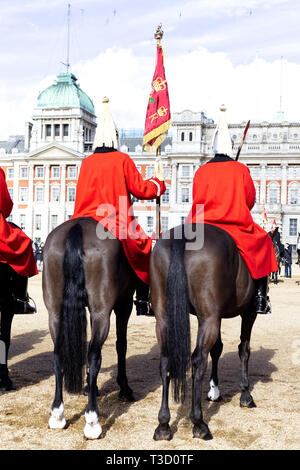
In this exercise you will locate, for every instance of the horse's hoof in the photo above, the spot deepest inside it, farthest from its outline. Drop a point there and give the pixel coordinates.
(126, 397)
(162, 433)
(202, 432)
(7, 386)
(92, 429)
(247, 401)
(57, 419)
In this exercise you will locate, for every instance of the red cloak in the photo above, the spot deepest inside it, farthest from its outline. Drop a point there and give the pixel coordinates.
(15, 246)
(105, 183)
(227, 193)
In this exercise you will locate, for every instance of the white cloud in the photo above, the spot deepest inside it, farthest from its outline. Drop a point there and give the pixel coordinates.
(199, 81)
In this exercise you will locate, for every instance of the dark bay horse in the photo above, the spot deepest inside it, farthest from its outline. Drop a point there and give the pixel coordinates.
(84, 266)
(211, 281)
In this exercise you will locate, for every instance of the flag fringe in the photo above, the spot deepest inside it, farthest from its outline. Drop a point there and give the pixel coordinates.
(161, 134)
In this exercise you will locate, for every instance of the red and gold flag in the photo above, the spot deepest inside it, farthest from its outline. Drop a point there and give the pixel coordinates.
(158, 117)
(264, 216)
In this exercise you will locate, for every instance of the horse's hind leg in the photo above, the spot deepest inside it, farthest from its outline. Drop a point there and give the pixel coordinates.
(248, 320)
(122, 316)
(6, 317)
(207, 335)
(216, 351)
(163, 431)
(100, 329)
(57, 419)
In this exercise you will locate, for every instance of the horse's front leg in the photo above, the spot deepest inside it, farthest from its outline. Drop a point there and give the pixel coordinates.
(100, 329)
(248, 320)
(122, 316)
(163, 431)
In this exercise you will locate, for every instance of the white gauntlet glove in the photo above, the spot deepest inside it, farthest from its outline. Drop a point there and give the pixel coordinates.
(159, 170)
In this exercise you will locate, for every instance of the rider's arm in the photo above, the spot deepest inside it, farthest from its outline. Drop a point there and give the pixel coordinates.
(140, 188)
(249, 189)
(6, 203)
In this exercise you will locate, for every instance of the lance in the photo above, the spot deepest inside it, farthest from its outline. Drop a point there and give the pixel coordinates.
(242, 141)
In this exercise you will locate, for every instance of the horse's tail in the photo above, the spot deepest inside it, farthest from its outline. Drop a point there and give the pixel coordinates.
(71, 344)
(178, 310)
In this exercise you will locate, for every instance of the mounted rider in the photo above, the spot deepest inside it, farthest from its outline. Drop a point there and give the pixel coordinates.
(16, 256)
(106, 182)
(225, 189)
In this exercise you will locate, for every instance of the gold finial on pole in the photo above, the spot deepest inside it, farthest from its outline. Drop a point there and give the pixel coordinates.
(158, 34)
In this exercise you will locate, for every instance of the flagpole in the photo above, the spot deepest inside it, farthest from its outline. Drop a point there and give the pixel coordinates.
(158, 36)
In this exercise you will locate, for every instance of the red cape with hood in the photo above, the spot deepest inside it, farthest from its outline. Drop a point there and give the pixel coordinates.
(15, 246)
(225, 189)
(106, 180)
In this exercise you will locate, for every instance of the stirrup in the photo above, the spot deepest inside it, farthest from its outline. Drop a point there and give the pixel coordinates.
(22, 306)
(143, 307)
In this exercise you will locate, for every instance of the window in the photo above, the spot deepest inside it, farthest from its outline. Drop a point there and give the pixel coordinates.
(164, 224)
(71, 194)
(293, 172)
(149, 171)
(39, 194)
(273, 193)
(166, 196)
(185, 195)
(56, 130)
(182, 220)
(48, 130)
(293, 228)
(55, 172)
(39, 172)
(38, 222)
(185, 171)
(294, 196)
(11, 193)
(54, 221)
(66, 130)
(22, 220)
(182, 137)
(190, 136)
(72, 172)
(167, 172)
(24, 172)
(149, 224)
(23, 194)
(254, 171)
(55, 194)
(10, 173)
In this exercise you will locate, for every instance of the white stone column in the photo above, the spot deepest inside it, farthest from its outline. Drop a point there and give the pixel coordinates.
(263, 195)
(30, 202)
(45, 219)
(63, 192)
(173, 195)
(283, 183)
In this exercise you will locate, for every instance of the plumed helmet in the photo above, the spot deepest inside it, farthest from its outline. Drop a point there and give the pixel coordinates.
(222, 143)
(106, 133)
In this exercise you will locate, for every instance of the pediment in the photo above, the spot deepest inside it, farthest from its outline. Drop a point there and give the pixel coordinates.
(54, 151)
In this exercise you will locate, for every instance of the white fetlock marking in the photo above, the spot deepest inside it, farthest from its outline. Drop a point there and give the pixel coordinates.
(92, 429)
(214, 392)
(57, 419)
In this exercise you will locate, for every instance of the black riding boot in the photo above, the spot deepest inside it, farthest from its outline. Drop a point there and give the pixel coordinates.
(142, 302)
(262, 301)
(21, 299)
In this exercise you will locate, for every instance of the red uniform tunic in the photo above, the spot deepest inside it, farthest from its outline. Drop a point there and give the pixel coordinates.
(15, 246)
(227, 193)
(105, 183)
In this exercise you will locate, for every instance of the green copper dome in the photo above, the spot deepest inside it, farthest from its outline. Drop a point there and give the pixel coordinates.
(65, 93)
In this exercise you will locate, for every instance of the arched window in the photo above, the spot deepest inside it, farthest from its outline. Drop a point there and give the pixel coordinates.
(293, 193)
(190, 136)
(182, 136)
(273, 193)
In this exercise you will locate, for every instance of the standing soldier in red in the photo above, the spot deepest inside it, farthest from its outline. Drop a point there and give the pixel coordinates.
(224, 188)
(107, 179)
(16, 255)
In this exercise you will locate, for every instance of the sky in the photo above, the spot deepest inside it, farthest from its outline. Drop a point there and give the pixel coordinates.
(244, 54)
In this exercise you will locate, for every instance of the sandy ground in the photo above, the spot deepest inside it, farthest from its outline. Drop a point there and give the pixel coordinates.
(273, 370)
